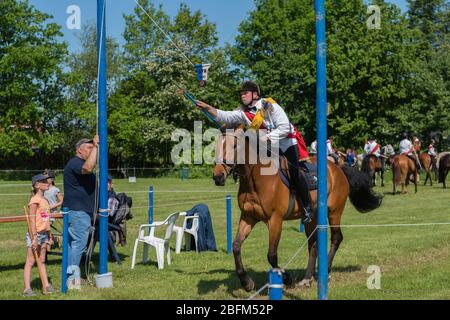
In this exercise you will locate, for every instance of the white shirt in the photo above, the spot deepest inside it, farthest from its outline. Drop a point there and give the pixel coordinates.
(52, 197)
(405, 146)
(431, 150)
(313, 148)
(370, 146)
(276, 122)
(329, 148)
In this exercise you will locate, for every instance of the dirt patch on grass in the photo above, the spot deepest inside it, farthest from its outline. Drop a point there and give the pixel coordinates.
(12, 244)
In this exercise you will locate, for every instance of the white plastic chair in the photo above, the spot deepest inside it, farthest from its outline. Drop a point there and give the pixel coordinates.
(187, 232)
(161, 244)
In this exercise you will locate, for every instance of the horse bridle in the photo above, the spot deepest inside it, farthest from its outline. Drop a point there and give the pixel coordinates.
(228, 168)
(231, 168)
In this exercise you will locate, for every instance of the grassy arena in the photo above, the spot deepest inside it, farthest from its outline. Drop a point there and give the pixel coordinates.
(413, 260)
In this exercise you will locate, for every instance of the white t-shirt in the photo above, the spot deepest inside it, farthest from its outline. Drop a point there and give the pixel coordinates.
(276, 121)
(313, 148)
(52, 197)
(405, 146)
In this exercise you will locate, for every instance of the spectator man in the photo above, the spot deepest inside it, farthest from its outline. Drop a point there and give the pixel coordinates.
(79, 198)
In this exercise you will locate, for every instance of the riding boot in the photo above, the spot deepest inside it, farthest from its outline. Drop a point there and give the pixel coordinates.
(299, 182)
(305, 197)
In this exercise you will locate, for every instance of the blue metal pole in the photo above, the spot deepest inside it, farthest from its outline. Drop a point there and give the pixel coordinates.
(321, 101)
(65, 249)
(229, 224)
(302, 227)
(275, 284)
(103, 135)
(150, 207)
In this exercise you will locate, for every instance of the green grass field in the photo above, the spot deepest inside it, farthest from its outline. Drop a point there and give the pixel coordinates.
(414, 261)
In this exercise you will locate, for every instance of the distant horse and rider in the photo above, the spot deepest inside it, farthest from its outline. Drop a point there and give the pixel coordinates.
(428, 160)
(375, 159)
(405, 166)
(402, 168)
(268, 198)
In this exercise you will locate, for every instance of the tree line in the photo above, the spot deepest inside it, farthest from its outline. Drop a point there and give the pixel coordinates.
(380, 81)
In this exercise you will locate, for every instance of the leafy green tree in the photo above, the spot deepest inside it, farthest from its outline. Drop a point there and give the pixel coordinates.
(160, 67)
(80, 113)
(31, 84)
(432, 18)
(374, 76)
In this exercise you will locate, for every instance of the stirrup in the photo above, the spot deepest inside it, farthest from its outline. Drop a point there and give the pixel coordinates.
(308, 215)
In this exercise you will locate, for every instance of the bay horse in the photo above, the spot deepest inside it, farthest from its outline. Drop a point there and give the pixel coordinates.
(402, 167)
(444, 167)
(425, 161)
(371, 165)
(266, 198)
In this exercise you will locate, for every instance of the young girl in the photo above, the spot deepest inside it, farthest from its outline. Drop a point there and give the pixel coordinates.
(40, 228)
(53, 194)
(55, 199)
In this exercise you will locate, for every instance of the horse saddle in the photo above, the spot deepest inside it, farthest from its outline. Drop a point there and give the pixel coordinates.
(309, 170)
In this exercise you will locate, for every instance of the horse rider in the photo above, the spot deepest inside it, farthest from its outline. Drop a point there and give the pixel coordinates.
(372, 147)
(406, 148)
(313, 148)
(264, 113)
(331, 152)
(432, 153)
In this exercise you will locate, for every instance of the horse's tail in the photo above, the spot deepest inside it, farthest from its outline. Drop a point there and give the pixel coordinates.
(442, 167)
(361, 194)
(396, 171)
(365, 166)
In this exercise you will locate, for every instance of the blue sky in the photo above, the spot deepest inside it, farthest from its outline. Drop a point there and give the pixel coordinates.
(226, 14)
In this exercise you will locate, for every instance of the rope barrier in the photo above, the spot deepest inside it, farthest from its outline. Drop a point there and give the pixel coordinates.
(13, 218)
(24, 218)
(180, 203)
(135, 192)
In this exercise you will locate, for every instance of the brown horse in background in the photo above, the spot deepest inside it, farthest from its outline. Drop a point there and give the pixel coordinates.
(266, 198)
(402, 167)
(444, 167)
(371, 165)
(425, 161)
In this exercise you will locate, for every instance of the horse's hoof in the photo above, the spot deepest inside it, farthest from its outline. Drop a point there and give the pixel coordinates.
(287, 279)
(305, 283)
(248, 284)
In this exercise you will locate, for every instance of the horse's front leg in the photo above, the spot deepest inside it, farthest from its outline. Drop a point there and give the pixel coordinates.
(382, 178)
(311, 234)
(246, 225)
(275, 225)
(416, 175)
